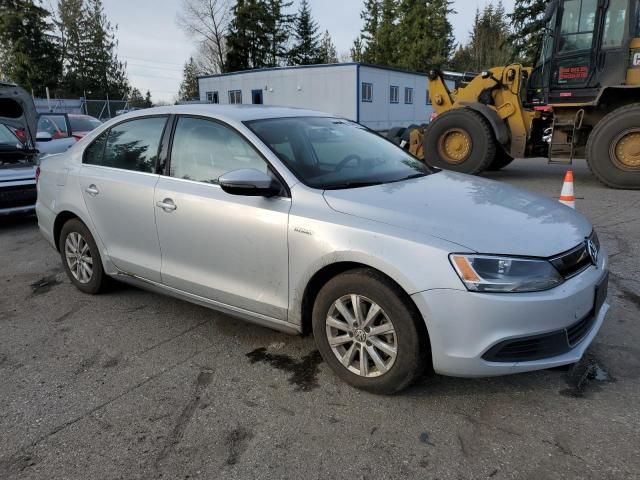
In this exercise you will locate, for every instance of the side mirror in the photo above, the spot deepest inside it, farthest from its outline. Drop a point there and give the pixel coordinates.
(249, 182)
(43, 137)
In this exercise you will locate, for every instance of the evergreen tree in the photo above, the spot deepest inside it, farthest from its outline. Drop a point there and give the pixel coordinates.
(71, 22)
(189, 86)
(357, 50)
(306, 47)
(527, 29)
(29, 52)
(488, 44)
(370, 15)
(105, 73)
(136, 99)
(90, 63)
(277, 26)
(147, 100)
(328, 52)
(426, 33)
(247, 41)
(387, 34)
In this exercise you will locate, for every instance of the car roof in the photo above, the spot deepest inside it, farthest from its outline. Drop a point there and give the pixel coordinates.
(230, 113)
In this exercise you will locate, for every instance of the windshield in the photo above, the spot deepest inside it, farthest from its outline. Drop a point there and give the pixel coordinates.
(83, 124)
(8, 138)
(331, 153)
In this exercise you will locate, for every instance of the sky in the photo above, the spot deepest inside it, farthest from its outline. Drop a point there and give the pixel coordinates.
(155, 49)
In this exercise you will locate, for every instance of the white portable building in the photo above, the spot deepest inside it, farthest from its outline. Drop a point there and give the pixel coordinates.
(377, 97)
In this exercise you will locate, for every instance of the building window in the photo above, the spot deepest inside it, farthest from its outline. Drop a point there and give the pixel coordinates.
(408, 95)
(235, 96)
(394, 94)
(428, 98)
(367, 92)
(212, 97)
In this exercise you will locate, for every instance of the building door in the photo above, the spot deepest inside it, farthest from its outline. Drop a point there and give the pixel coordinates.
(256, 96)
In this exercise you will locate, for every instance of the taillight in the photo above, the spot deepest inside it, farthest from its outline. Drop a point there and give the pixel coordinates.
(37, 174)
(21, 135)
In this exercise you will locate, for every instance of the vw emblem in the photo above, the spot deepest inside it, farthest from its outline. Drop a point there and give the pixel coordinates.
(593, 251)
(360, 336)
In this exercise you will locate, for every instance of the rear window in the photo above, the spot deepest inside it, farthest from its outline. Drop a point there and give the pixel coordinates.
(7, 137)
(84, 124)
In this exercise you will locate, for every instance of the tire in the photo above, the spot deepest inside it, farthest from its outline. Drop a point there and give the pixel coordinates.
(406, 135)
(602, 148)
(395, 133)
(94, 282)
(501, 160)
(470, 128)
(410, 341)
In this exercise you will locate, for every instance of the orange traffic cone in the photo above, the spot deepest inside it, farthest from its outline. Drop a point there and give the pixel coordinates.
(566, 196)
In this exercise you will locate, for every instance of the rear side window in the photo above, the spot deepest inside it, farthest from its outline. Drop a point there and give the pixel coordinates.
(132, 145)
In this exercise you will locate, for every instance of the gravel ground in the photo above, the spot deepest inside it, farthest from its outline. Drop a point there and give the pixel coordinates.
(132, 385)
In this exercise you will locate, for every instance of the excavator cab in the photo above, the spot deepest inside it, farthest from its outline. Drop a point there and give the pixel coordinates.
(585, 47)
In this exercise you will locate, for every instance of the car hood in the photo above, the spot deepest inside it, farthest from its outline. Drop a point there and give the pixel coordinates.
(18, 111)
(482, 215)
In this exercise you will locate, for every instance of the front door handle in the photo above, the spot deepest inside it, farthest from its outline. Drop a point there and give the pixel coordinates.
(92, 190)
(167, 205)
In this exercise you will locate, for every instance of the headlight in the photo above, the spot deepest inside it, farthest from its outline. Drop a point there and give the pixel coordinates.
(486, 273)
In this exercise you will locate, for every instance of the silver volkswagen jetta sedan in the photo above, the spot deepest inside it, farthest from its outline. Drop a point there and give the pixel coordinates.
(304, 222)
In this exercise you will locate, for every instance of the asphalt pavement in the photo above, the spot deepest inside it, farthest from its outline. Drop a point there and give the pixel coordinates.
(132, 385)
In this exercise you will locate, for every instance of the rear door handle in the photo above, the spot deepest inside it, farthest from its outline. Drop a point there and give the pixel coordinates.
(92, 190)
(167, 205)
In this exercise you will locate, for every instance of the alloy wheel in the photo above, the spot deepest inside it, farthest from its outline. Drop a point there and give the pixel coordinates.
(361, 335)
(79, 259)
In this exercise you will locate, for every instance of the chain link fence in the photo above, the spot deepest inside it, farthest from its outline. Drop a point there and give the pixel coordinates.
(102, 109)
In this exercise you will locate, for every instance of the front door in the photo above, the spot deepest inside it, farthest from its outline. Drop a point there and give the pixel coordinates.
(118, 180)
(573, 65)
(227, 248)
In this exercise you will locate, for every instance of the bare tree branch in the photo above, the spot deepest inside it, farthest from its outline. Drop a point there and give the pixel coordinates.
(207, 22)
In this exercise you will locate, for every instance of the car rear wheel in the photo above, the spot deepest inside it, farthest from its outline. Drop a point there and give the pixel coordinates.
(367, 333)
(80, 257)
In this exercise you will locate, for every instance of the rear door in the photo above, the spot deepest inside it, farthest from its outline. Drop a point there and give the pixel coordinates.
(118, 178)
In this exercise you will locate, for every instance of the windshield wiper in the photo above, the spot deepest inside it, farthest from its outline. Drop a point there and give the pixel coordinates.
(341, 186)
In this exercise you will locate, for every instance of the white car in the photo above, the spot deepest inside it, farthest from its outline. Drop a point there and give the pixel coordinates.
(304, 222)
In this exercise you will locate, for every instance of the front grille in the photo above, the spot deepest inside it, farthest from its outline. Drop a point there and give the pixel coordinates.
(537, 347)
(17, 196)
(571, 263)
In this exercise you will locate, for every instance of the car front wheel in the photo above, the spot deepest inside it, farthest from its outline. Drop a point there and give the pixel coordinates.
(367, 332)
(80, 257)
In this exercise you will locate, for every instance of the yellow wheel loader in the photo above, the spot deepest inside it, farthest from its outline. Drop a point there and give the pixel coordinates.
(582, 99)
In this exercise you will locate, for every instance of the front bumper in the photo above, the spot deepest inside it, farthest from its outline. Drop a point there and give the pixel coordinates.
(464, 326)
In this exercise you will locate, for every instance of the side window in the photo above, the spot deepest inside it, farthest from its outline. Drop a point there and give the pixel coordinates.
(131, 145)
(94, 153)
(578, 21)
(203, 150)
(235, 97)
(394, 94)
(614, 24)
(55, 125)
(367, 92)
(408, 95)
